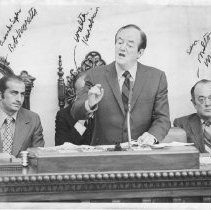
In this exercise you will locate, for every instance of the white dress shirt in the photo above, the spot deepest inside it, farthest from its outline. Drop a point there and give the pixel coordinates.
(120, 73)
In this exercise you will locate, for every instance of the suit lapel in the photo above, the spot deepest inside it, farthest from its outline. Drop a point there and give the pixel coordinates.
(139, 82)
(111, 75)
(21, 129)
(196, 130)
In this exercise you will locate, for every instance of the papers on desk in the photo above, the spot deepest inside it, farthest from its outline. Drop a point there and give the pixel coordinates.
(72, 148)
(172, 144)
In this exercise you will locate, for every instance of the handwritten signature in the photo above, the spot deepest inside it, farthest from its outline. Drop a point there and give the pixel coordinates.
(10, 26)
(192, 46)
(86, 21)
(15, 38)
(203, 56)
(83, 20)
(91, 22)
(204, 43)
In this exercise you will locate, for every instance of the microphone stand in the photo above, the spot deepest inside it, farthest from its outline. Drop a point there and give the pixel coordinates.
(128, 115)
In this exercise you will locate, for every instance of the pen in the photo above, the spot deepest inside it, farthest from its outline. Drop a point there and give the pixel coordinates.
(89, 84)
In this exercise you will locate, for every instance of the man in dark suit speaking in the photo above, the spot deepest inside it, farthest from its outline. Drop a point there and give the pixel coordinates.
(19, 127)
(108, 89)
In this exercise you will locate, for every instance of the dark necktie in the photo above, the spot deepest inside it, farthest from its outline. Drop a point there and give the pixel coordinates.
(8, 135)
(207, 136)
(126, 89)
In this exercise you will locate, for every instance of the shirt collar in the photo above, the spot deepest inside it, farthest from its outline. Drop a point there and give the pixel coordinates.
(132, 71)
(3, 116)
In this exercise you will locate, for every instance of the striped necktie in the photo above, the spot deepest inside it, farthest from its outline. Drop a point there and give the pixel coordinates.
(8, 134)
(126, 89)
(207, 136)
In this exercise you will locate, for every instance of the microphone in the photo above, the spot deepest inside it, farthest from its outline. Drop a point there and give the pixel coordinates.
(128, 113)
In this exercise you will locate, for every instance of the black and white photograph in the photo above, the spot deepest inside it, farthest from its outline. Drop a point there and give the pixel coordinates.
(105, 104)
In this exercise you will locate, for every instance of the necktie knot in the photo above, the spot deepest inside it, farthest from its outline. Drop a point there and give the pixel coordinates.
(207, 123)
(8, 120)
(126, 74)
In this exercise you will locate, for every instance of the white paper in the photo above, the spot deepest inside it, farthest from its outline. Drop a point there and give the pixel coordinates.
(172, 144)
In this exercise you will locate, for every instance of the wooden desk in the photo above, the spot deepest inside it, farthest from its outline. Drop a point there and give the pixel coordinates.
(134, 186)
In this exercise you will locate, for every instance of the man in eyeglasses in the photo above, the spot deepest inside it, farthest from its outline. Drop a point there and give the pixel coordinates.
(198, 125)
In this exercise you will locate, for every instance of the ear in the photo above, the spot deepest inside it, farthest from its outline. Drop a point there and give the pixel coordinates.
(140, 53)
(194, 103)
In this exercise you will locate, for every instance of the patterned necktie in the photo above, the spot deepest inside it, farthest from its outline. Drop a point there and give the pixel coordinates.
(126, 89)
(207, 136)
(8, 135)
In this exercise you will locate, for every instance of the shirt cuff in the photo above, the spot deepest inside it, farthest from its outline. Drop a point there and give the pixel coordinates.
(155, 141)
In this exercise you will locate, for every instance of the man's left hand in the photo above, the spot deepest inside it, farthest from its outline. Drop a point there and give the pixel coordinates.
(146, 139)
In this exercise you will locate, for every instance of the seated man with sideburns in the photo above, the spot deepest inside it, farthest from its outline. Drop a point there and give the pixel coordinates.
(19, 127)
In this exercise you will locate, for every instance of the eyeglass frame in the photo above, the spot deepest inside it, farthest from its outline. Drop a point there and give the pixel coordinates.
(202, 99)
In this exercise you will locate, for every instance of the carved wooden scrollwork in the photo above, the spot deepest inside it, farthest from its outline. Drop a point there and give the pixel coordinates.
(92, 60)
(29, 83)
(4, 67)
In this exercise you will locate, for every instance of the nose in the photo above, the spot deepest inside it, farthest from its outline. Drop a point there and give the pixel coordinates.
(19, 98)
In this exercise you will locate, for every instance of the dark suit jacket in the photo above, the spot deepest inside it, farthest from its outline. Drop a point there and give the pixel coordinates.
(192, 126)
(149, 105)
(28, 132)
(65, 131)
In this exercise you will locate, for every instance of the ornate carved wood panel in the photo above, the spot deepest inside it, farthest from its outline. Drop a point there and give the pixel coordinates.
(147, 186)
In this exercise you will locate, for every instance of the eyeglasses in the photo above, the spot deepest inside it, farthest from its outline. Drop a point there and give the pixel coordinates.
(202, 99)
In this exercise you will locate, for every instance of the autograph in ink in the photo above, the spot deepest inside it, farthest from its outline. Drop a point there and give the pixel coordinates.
(204, 54)
(204, 43)
(81, 21)
(86, 21)
(10, 26)
(15, 38)
(91, 22)
(83, 32)
(191, 47)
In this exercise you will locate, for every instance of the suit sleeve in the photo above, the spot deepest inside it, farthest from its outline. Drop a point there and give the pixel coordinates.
(37, 138)
(61, 129)
(160, 117)
(65, 130)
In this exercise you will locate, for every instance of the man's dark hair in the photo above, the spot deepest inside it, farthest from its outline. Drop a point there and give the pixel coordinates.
(143, 42)
(203, 81)
(5, 79)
